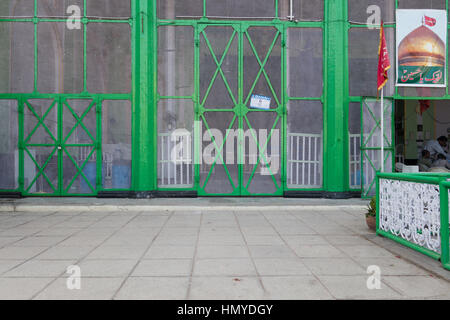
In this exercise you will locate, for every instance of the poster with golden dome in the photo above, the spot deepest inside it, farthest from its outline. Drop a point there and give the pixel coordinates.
(421, 48)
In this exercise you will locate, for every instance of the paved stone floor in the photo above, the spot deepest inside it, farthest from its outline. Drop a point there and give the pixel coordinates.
(205, 254)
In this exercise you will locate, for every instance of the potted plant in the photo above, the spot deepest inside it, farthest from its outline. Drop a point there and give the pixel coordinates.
(371, 214)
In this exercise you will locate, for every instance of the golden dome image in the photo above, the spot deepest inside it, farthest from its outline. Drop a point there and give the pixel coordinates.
(422, 47)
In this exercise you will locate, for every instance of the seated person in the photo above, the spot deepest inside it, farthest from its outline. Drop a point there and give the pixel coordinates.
(436, 147)
(440, 162)
(425, 163)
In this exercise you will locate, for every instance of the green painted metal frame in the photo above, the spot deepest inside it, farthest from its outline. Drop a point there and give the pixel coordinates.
(441, 180)
(444, 187)
(241, 110)
(389, 148)
(144, 23)
(60, 99)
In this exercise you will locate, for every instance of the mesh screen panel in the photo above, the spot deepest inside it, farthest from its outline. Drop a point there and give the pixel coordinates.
(9, 169)
(305, 62)
(108, 58)
(116, 144)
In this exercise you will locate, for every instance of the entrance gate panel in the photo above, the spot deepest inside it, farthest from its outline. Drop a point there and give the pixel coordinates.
(79, 141)
(219, 109)
(41, 146)
(244, 140)
(60, 141)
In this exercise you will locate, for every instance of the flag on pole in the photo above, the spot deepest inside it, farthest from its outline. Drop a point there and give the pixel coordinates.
(431, 22)
(383, 66)
(384, 63)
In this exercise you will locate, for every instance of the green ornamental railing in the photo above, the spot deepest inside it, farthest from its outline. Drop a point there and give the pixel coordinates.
(413, 210)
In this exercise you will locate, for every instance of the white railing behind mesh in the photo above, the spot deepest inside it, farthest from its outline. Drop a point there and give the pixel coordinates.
(304, 160)
(355, 161)
(175, 163)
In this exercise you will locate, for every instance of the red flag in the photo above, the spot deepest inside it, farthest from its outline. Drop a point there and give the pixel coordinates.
(424, 105)
(384, 63)
(429, 21)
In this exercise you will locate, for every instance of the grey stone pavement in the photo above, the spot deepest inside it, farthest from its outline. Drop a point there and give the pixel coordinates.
(215, 248)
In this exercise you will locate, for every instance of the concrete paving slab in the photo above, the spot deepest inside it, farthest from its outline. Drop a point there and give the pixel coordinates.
(317, 251)
(355, 287)
(25, 253)
(21, 288)
(40, 269)
(295, 288)
(65, 252)
(271, 251)
(218, 251)
(6, 265)
(333, 266)
(105, 252)
(160, 252)
(281, 267)
(226, 288)
(39, 241)
(91, 289)
(163, 268)
(152, 288)
(106, 268)
(224, 267)
(418, 286)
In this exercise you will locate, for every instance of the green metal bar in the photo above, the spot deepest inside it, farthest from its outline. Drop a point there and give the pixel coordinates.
(444, 188)
(35, 50)
(408, 244)
(417, 177)
(284, 101)
(59, 146)
(99, 145)
(241, 108)
(336, 175)
(196, 97)
(85, 52)
(20, 105)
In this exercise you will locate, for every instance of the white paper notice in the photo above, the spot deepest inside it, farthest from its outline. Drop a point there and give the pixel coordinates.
(260, 102)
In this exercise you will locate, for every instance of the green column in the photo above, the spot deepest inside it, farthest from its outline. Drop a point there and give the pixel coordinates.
(336, 162)
(144, 137)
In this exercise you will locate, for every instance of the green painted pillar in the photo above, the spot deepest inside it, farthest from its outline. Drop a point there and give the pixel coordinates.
(144, 137)
(336, 158)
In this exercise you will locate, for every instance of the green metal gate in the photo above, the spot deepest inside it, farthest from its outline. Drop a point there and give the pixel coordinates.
(371, 142)
(239, 63)
(59, 146)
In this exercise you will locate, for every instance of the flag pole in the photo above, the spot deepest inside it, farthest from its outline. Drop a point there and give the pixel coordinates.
(382, 130)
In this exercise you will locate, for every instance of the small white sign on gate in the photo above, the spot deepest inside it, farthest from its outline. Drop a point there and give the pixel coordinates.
(260, 102)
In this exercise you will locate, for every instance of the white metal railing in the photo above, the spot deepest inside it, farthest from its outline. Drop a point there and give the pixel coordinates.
(411, 210)
(355, 161)
(304, 160)
(107, 159)
(175, 163)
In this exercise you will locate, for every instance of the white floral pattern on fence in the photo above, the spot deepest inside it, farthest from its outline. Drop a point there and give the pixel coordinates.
(411, 211)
